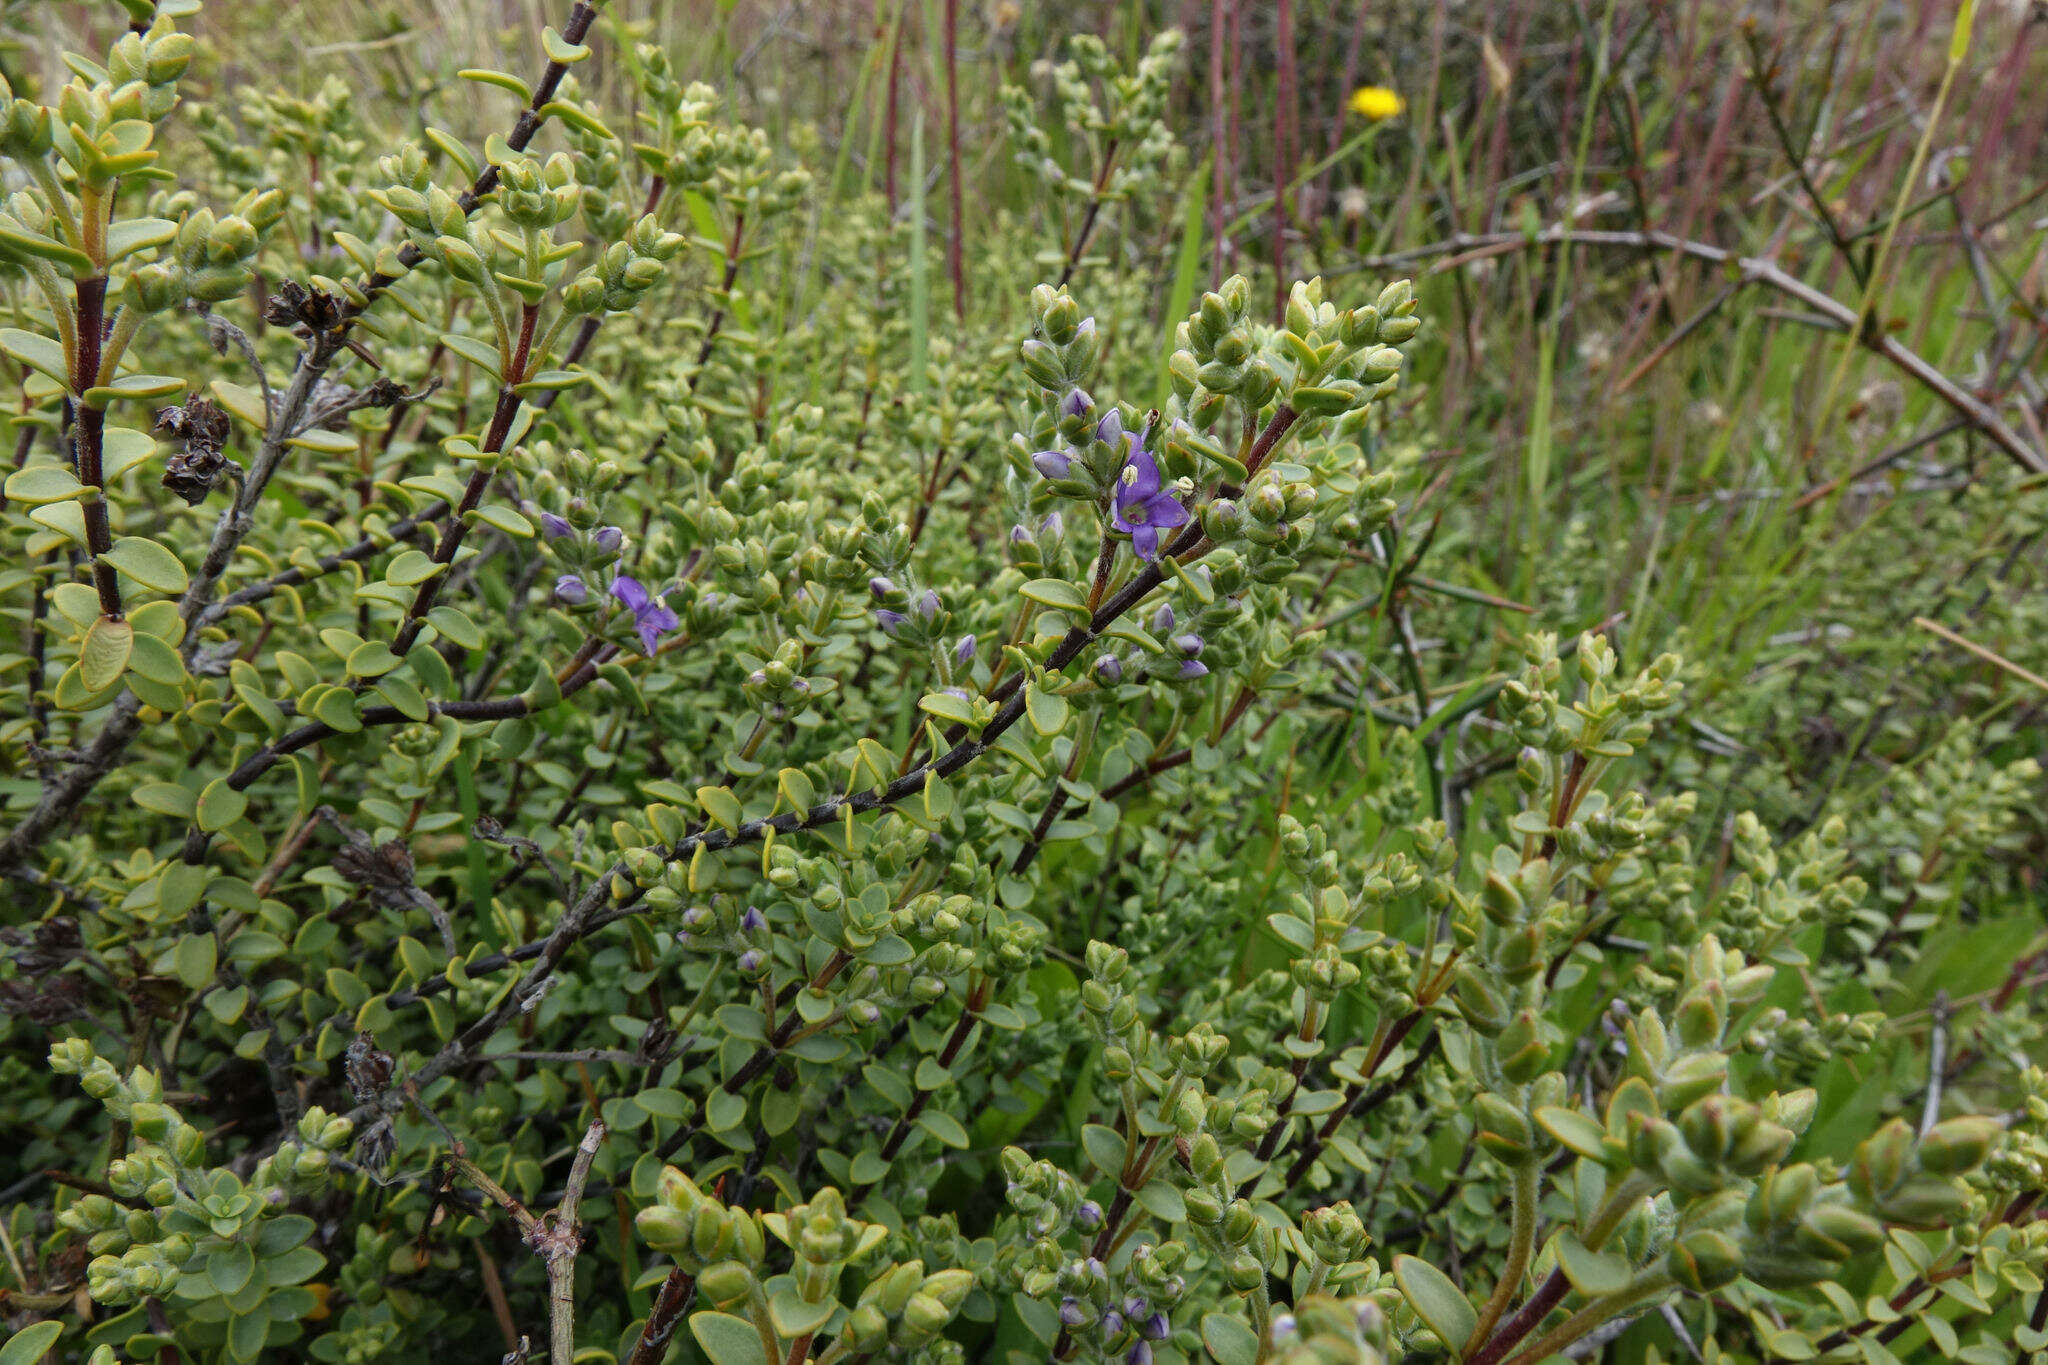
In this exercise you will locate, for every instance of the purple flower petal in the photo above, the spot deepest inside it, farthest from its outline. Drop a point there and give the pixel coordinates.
(1110, 429)
(1145, 541)
(1164, 511)
(555, 527)
(1140, 478)
(572, 589)
(629, 592)
(1194, 668)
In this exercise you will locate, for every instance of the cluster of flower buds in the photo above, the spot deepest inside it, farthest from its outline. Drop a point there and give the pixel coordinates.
(918, 618)
(1112, 1011)
(166, 1205)
(629, 267)
(1127, 113)
(697, 1230)
(1324, 1330)
(211, 259)
(153, 59)
(1060, 357)
(24, 126)
(905, 1309)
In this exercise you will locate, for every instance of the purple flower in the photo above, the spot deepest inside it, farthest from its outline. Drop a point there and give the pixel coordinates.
(1053, 464)
(1139, 1354)
(1019, 536)
(571, 589)
(1110, 429)
(1136, 1307)
(651, 615)
(1076, 404)
(1143, 507)
(1052, 526)
(1088, 1215)
(1192, 669)
(1155, 1328)
(1189, 644)
(750, 961)
(555, 527)
(881, 587)
(608, 539)
(1162, 619)
(927, 605)
(1112, 1324)
(964, 651)
(1072, 1314)
(890, 621)
(1109, 670)
(752, 920)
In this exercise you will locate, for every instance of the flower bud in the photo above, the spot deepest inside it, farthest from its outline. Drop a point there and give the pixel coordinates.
(1959, 1144)
(1704, 1261)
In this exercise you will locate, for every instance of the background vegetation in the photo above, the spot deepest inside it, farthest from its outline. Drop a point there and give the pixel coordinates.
(1730, 348)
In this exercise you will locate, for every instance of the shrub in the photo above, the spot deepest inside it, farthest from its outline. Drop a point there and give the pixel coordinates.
(581, 771)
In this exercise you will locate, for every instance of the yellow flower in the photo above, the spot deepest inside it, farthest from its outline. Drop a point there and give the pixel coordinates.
(1376, 102)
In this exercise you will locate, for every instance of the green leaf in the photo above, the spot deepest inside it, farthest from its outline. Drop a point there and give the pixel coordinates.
(38, 352)
(371, 659)
(577, 115)
(123, 448)
(48, 248)
(1105, 1149)
(1436, 1301)
(793, 1316)
(946, 706)
(103, 658)
(944, 1127)
(336, 709)
(560, 49)
(1048, 710)
(148, 563)
(500, 79)
(457, 626)
(194, 959)
(166, 798)
(220, 805)
(726, 1340)
(43, 483)
(1592, 1273)
(1575, 1130)
(31, 1343)
(138, 234)
(231, 1268)
(133, 387)
(1231, 1341)
(1056, 593)
(722, 806)
(504, 519)
(478, 353)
